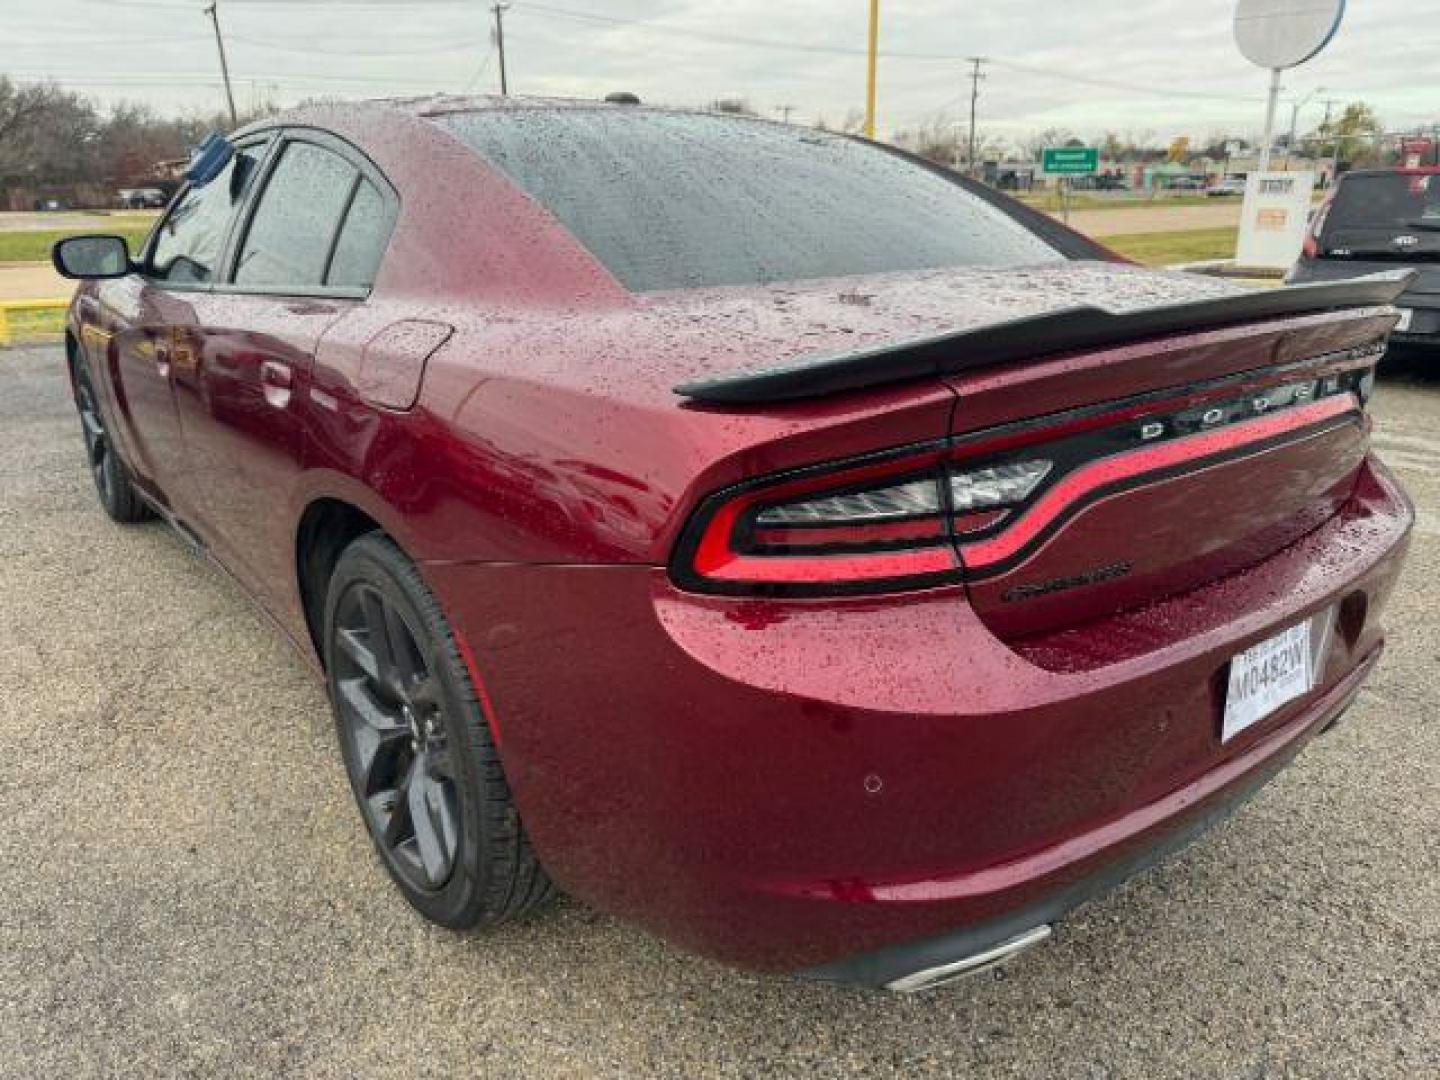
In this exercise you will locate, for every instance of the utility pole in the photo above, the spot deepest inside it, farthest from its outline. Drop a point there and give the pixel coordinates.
(224, 67)
(784, 111)
(872, 63)
(975, 77)
(500, 10)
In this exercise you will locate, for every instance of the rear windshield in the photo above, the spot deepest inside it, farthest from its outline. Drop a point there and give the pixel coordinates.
(672, 201)
(1393, 203)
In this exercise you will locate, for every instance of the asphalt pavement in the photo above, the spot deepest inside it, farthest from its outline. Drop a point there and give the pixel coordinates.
(185, 888)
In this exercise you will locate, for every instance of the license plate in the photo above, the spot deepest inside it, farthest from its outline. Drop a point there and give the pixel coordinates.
(1407, 316)
(1274, 673)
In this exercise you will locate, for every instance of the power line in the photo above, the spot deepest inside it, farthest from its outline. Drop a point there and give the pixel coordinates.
(192, 78)
(427, 49)
(842, 50)
(1117, 84)
(479, 72)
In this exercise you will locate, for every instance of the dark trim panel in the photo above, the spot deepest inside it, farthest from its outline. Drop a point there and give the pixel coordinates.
(1065, 330)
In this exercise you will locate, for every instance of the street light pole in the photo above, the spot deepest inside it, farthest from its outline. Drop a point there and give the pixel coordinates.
(224, 67)
(1295, 107)
(1268, 142)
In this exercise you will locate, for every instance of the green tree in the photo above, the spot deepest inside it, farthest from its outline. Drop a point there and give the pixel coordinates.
(1357, 130)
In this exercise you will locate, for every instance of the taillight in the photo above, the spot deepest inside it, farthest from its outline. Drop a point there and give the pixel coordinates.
(921, 516)
(1310, 249)
(885, 523)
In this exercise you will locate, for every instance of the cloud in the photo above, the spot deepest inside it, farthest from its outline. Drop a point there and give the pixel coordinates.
(1169, 66)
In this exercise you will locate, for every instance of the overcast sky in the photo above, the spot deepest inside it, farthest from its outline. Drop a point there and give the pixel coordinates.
(1168, 67)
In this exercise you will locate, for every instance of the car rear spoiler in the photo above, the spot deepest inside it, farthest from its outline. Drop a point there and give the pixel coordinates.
(1084, 326)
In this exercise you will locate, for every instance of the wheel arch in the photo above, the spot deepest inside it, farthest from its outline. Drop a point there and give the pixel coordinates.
(73, 355)
(327, 526)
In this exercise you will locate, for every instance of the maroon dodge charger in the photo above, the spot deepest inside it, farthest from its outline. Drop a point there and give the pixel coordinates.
(758, 533)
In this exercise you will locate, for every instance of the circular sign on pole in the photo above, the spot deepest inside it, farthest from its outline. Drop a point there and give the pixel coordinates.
(1283, 33)
(1279, 34)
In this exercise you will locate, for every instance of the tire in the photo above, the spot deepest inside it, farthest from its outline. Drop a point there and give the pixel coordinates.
(117, 492)
(418, 749)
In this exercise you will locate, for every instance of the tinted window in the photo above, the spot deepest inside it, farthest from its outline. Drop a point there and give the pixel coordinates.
(187, 245)
(289, 238)
(669, 200)
(1387, 201)
(362, 239)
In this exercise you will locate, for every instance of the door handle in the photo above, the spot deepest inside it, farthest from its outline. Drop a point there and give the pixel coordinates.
(276, 379)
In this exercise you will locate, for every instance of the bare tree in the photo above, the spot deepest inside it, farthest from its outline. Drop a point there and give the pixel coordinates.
(1053, 136)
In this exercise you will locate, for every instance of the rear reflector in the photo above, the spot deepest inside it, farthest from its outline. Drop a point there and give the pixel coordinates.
(916, 517)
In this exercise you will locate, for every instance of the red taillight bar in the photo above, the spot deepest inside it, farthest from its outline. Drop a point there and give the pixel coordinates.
(846, 529)
(1086, 481)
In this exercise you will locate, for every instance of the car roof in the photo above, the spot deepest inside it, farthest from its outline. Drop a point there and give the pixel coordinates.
(431, 105)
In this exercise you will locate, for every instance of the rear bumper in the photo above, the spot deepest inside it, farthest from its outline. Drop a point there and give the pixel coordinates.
(1155, 833)
(808, 785)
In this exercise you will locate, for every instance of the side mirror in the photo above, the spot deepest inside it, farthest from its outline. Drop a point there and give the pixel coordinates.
(91, 257)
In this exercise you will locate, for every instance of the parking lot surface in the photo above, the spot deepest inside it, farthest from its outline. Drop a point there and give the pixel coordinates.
(187, 889)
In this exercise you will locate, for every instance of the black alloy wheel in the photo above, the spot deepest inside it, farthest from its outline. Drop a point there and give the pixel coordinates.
(112, 480)
(418, 748)
(392, 718)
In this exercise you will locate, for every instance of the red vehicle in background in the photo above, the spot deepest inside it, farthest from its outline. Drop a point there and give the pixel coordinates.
(816, 557)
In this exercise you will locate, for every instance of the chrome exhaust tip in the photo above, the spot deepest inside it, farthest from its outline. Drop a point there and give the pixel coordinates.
(929, 978)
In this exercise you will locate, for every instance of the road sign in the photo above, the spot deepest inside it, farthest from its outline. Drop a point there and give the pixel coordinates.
(1070, 161)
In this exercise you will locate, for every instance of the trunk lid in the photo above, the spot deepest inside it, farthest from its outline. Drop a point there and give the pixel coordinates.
(1172, 463)
(1050, 493)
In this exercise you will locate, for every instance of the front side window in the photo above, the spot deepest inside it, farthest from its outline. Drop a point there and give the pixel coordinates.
(675, 200)
(187, 246)
(291, 234)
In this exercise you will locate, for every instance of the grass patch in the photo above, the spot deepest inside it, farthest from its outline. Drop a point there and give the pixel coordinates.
(1164, 248)
(38, 325)
(35, 246)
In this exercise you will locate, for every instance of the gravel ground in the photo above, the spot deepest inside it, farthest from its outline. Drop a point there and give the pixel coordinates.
(187, 890)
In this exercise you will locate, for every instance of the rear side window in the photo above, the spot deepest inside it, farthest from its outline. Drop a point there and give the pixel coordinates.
(670, 201)
(363, 236)
(188, 244)
(289, 240)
